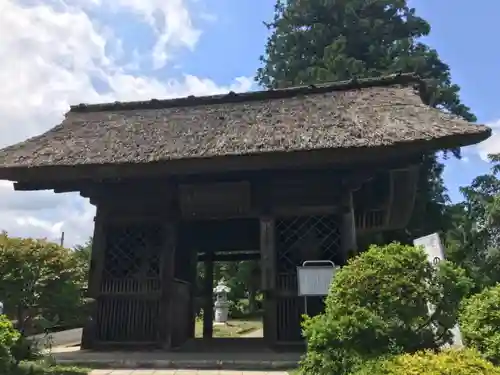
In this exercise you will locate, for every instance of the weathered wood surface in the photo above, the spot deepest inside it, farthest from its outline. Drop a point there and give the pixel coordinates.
(208, 304)
(166, 308)
(284, 218)
(69, 178)
(268, 272)
(181, 294)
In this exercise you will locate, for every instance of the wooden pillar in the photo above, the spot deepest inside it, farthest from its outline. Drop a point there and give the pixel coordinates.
(94, 283)
(193, 262)
(261, 189)
(348, 226)
(167, 263)
(268, 267)
(208, 306)
(167, 284)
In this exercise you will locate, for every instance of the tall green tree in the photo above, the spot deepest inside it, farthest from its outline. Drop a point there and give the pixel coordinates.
(473, 239)
(39, 279)
(242, 277)
(315, 41)
(83, 254)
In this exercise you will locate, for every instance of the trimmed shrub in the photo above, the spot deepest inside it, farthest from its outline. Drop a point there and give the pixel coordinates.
(480, 323)
(378, 305)
(35, 369)
(8, 338)
(447, 362)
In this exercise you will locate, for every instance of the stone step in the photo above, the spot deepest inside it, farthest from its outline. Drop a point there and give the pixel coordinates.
(168, 360)
(185, 364)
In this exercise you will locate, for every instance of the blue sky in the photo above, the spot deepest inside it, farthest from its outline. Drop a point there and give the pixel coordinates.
(234, 37)
(231, 46)
(54, 53)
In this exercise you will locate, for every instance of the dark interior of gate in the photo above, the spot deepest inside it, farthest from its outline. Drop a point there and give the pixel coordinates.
(153, 237)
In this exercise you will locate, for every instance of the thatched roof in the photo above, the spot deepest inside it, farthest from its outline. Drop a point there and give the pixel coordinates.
(369, 113)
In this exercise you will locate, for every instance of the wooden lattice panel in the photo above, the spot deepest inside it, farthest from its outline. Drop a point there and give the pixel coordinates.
(132, 258)
(129, 300)
(299, 239)
(371, 220)
(306, 238)
(124, 320)
(386, 202)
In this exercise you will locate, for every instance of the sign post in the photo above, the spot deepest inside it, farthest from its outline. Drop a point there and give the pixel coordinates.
(435, 254)
(314, 278)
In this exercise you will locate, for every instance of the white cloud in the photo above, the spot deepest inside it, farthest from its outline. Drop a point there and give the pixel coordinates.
(171, 21)
(51, 53)
(492, 144)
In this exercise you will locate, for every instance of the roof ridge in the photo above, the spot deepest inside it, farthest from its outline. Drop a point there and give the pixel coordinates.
(232, 97)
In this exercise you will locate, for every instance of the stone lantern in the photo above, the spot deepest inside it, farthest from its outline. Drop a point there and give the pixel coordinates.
(221, 303)
(1, 307)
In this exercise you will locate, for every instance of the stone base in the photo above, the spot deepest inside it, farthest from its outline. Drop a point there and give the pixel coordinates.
(265, 361)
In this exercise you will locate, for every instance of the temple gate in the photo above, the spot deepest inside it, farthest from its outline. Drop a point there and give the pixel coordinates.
(283, 176)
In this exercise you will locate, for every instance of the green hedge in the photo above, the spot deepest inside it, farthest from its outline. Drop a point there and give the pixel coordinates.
(13, 349)
(378, 305)
(448, 362)
(33, 369)
(8, 338)
(480, 323)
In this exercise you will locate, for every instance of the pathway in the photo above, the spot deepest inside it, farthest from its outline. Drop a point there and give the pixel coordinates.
(258, 333)
(184, 372)
(73, 337)
(63, 338)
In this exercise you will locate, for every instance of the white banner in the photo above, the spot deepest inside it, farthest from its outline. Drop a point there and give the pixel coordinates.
(435, 253)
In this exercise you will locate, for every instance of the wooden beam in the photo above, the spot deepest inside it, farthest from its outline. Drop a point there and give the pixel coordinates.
(304, 210)
(57, 187)
(208, 308)
(266, 161)
(66, 179)
(230, 257)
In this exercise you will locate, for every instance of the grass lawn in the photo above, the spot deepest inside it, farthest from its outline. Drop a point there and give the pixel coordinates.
(233, 328)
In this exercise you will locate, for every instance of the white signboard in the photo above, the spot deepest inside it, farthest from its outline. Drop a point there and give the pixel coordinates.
(315, 280)
(435, 253)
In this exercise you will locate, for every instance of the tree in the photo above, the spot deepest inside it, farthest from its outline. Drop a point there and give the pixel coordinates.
(480, 322)
(378, 305)
(242, 277)
(8, 338)
(330, 40)
(473, 238)
(84, 252)
(40, 279)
